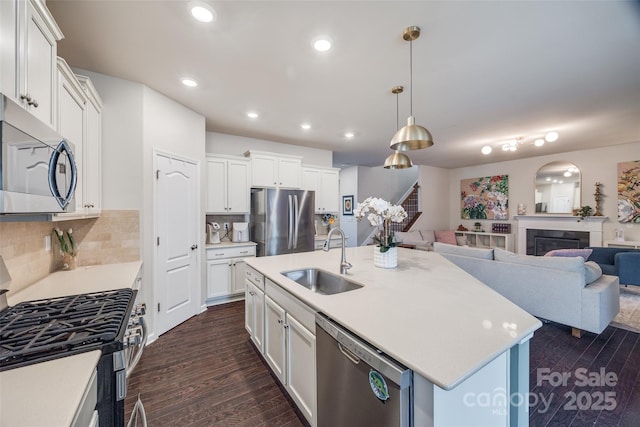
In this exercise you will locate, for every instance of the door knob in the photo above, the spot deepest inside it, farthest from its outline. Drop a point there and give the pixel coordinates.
(194, 247)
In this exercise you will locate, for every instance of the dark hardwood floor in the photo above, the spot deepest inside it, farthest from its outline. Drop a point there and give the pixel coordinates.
(591, 381)
(205, 372)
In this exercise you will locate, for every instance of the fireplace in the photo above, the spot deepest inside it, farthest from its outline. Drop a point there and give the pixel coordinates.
(558, 234)
(539, 242)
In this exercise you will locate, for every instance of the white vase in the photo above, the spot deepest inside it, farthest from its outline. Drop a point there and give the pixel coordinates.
(388, 259)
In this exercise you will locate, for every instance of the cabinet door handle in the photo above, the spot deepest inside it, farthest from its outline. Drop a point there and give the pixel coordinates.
(219, 254)
(194, 247)
(280, 321)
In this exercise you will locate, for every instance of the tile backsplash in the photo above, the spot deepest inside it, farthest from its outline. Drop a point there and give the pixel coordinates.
(111, 238)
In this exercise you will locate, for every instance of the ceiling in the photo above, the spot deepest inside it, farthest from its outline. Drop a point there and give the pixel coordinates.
(483, 72)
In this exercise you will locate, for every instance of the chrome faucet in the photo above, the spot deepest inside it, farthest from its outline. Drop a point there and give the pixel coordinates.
(344, 265)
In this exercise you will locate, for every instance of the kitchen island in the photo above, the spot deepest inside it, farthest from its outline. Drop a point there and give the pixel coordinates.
(459, 337)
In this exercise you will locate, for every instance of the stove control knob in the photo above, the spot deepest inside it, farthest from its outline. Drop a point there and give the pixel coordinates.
(140, 309)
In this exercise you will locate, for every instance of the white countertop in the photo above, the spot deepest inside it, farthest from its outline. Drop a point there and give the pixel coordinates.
(428, 314)
(82, 280)
(47, 393)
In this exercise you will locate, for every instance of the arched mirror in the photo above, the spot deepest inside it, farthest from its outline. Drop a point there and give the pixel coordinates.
(557, 188)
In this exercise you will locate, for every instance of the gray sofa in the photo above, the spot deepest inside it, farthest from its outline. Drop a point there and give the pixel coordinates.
(562, 290)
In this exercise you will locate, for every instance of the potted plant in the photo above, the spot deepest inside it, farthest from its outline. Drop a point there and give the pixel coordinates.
(381, 214)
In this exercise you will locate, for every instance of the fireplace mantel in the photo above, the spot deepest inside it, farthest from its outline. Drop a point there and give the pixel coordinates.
(591, 224)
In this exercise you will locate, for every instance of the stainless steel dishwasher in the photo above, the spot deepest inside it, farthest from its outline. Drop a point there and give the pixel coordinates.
(358, 385)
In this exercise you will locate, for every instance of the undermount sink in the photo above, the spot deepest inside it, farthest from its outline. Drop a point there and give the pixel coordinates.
(320, 281)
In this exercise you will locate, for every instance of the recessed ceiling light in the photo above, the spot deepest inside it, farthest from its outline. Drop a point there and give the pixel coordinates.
(252, 115)
(567, 174)
(321, 44)
(349, 134)
(203, 12)
(551, 136)
(305, 126)
(486, 150)
(189, 82)
(539, 142)
(548, 179)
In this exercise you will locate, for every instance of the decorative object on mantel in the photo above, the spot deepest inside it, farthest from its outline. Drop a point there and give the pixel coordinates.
(629, 191)
(68, 249)
(582, 212)
(522, 209)
(598, 197)
(462, 228)
(478, 226)
(380, 214)
(486, 197)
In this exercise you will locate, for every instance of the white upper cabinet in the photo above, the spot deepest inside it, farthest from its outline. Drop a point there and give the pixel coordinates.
(79, 117)
(29, 37)
(326, 183)
(275, 170)
(228, 185)
(92, 152)
(71, 122)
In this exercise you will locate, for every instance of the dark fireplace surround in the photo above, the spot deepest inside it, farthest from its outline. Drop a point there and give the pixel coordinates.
(539, 242)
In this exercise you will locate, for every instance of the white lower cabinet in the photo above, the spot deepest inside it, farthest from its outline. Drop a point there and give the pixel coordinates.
(226, 273)
(254, 314)
(274, 338)
(290, 347)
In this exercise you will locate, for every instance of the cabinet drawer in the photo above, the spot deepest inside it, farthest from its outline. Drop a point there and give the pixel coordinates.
(292, 305)
(230, 252)
(255, 277)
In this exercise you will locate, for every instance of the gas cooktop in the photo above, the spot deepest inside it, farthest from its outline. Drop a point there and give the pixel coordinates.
(36, 331)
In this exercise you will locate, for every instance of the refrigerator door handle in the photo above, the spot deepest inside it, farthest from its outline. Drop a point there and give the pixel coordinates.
(296, 218)
(291, 220)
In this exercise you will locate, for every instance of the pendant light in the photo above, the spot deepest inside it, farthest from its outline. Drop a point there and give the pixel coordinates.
(397, 160)
(412, 136)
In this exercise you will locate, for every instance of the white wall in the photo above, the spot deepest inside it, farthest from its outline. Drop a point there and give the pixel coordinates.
(220, 143)
(434, 200)
(122, 136)
(348, 187)
(598, 164)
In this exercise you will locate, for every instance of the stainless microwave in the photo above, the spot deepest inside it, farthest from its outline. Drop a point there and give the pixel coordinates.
(37, 169)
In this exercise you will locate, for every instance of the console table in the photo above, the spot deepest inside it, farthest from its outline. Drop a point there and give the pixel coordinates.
(634, 244)
(481, 239)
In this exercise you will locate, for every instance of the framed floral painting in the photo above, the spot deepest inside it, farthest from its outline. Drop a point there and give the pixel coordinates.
(486, 197)
(629, 191)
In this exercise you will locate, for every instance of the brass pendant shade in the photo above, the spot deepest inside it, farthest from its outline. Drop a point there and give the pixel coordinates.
(412, 136)
(398, 160)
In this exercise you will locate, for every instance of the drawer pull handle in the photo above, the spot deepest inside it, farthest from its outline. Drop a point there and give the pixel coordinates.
(244, 252)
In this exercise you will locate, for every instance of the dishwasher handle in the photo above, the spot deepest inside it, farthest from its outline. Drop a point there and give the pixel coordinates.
(348, 354)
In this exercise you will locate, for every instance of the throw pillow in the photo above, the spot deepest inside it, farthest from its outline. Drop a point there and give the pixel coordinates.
(592, 272)
(462, 240)
(447, 236)
(428, 236)
(467, 251)
(584, 253)
(408, 237)
(574, 264)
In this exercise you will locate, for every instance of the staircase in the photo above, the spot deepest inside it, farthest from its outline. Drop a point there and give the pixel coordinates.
(411, 205)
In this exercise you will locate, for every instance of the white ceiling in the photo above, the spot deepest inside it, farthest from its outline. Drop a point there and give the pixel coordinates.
(484, 71)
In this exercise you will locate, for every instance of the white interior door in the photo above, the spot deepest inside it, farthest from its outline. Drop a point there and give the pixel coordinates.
(177, 287)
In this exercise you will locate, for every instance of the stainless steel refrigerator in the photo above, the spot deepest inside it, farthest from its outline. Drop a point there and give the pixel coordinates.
(282, 221)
